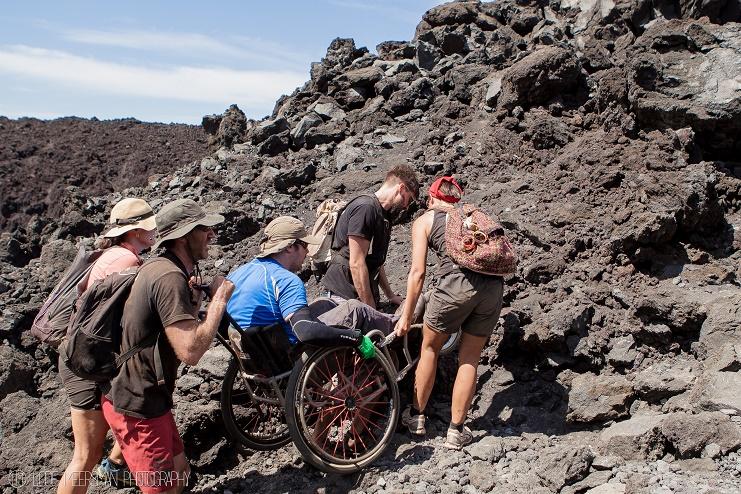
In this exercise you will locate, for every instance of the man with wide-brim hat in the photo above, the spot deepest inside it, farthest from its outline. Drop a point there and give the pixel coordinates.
(164, 300)
(269, 294)
(180, 217)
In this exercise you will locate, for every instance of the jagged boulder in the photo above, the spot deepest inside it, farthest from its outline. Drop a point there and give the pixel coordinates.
(598, 398)
(539, 77)
(689, 434)
(449, 14)
(340, 54)
(17, 370)
(298, 133)
(684, 74)
(717, 391)
(395, 50)
(666, 378)
(637, 438)
(268, 128)
(225, 130)
(563, 466)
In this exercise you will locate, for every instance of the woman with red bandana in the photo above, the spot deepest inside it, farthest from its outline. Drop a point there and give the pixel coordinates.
(461, 300)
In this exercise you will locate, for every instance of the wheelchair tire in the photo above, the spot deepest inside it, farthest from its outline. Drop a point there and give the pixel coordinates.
(341, 410)
(244, 419)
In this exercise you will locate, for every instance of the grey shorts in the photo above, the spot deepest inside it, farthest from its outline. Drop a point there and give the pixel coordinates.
(467, 301)
(83, 394)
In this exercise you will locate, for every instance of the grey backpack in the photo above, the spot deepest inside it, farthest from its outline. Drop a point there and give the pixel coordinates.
(50, 324)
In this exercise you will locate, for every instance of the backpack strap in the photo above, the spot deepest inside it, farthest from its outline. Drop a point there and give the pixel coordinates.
(339, 214)
(152, 338)
(145, 343)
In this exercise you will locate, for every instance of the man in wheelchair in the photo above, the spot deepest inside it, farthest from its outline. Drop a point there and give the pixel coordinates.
(269, 294)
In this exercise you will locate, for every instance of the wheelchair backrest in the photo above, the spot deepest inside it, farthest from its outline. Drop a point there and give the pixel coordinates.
(268, 349)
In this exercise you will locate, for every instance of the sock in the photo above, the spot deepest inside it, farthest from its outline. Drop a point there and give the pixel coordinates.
(458, 427)
(414, 411)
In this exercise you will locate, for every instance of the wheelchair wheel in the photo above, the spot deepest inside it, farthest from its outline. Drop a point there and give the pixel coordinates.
(343, 409)
(451, 344)
(257, 425)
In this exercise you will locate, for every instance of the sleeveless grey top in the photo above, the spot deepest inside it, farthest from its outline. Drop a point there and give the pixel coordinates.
(445, 264)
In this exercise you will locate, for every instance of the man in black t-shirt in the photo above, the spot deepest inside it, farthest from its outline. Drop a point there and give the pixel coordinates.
(361, 239)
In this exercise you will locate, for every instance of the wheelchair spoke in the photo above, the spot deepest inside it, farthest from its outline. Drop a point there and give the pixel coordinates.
(345, 406)
(256, 419)
(370, 431)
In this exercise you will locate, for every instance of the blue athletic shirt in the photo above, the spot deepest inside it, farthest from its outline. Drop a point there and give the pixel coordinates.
(265, 293)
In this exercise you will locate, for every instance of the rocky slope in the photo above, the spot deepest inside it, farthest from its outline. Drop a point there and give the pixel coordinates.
(602, 133)
(40, 160)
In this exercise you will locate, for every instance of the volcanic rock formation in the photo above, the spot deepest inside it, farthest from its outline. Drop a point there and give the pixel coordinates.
(602, 133)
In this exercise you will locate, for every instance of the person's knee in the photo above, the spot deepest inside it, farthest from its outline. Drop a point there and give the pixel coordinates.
(354, 305)
(430, 349)
(87, 454)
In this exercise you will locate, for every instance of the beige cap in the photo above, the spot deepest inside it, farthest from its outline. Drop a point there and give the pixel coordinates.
(129, 214)
(178, 218)
(282, 232)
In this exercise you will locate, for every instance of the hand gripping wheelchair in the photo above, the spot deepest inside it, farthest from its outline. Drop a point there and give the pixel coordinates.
(339, 409)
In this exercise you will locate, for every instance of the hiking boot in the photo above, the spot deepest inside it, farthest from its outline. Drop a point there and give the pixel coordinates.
(456, 440)
(415, 423)
(118, 476)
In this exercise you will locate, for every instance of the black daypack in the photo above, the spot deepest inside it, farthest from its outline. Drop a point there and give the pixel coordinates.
(92, 347)
(50, 324)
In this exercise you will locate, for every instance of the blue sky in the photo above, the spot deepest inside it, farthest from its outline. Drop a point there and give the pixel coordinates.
(175, 61)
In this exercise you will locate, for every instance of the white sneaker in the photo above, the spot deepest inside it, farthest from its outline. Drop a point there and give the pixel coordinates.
(456, 440)
(415, 423)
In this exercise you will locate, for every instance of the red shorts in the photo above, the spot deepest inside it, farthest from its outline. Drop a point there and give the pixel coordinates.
(148, 446)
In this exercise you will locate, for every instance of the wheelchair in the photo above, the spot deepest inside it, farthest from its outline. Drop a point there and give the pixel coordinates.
(339, 409)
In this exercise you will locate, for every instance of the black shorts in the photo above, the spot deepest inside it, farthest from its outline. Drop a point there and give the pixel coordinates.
(83, 394)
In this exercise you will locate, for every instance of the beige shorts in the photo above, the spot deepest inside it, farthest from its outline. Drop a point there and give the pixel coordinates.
(467, 301)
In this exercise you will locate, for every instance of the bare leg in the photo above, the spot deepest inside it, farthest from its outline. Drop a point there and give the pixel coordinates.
(424, 376)
(464, 388)
(89, 429)
(116, 454)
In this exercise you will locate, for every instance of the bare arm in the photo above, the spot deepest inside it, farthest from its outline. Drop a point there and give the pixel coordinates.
(190, 339)
(383, 282)
(415, 281)
(359, 269)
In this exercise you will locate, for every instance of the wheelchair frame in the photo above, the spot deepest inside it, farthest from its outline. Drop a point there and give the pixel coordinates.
(230, 337)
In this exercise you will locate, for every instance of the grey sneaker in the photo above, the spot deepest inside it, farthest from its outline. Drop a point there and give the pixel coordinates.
(456, 440)
(415, 423)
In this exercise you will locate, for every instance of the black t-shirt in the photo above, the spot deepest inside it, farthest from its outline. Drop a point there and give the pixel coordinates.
(362, 217)
(160, 296)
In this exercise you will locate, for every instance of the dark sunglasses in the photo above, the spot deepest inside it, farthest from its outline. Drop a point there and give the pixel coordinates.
(301, 243)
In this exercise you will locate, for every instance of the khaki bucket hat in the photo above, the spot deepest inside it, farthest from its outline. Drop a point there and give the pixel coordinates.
(129, 214)
(282, 232)
(179, 217)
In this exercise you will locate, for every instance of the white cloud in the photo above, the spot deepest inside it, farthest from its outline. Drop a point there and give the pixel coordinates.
(389, 10)
(257, 88)
(193, 44)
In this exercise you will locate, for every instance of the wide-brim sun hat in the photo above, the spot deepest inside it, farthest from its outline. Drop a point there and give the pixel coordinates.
(129, 214)
(178, 218)
(282, 232)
